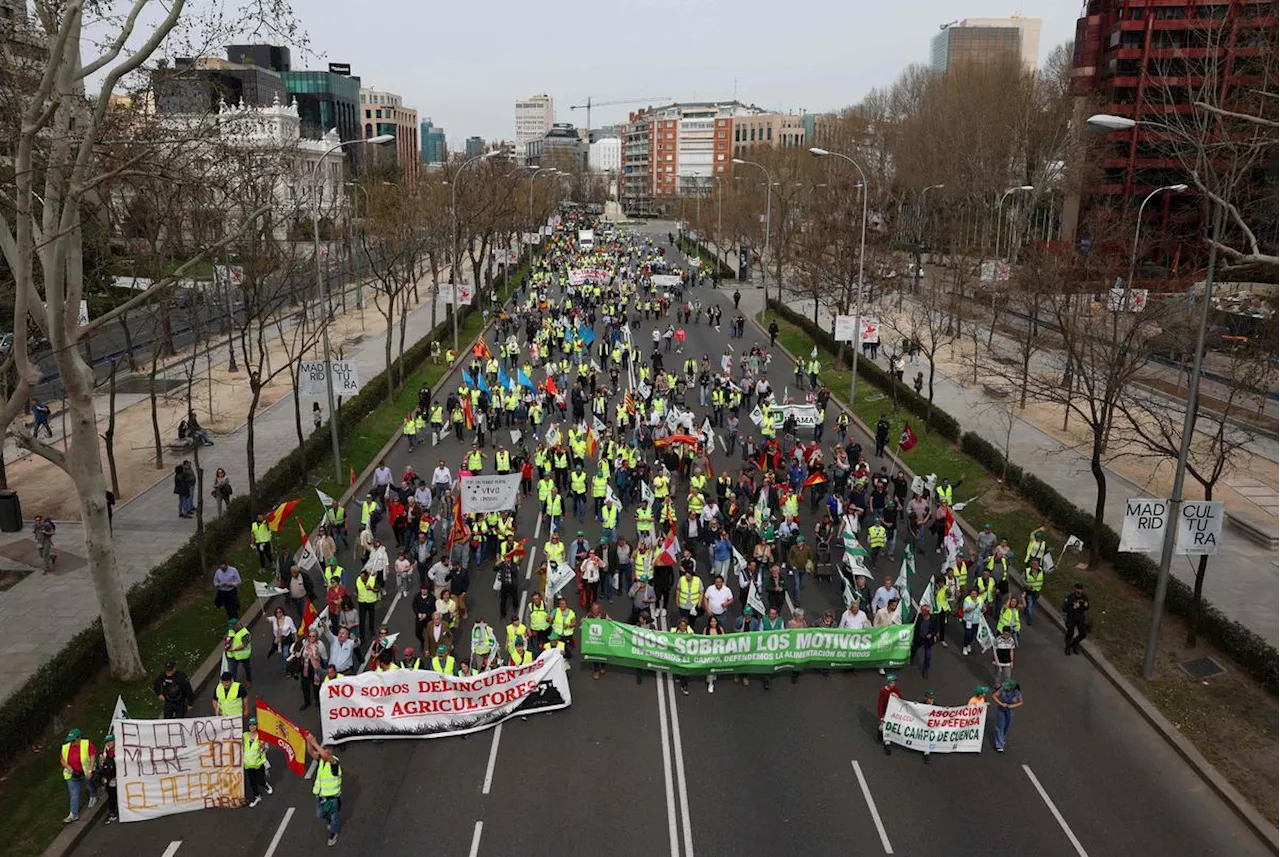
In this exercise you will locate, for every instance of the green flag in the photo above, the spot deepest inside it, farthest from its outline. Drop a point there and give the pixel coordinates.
(985, 638)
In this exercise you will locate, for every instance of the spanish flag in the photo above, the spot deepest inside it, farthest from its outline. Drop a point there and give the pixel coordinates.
(459, 533)
(467, 412)
(592, 443)
(518, 550)
(814, 479)
(280, 514)
(278, 730)
(481, 350)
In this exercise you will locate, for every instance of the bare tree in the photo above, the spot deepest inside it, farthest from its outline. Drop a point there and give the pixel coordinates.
(925, 324)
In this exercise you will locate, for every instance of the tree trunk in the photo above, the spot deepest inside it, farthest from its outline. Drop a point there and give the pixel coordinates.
(389, 315)
(195, 454)
(155, 416)
(84, 465)
(128, 342)
(110, 436)
(295, 367)
(1197, 601)
(165, 345)
(404, 323)
(250, 459)
(928, 414)
(1099, 507)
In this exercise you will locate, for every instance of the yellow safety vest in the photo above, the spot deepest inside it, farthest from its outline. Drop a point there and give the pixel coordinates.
(261, 532)
(332, 573)
(519, 660)
(475, 461)
(239, 637)
(365, 592)
(610, 515)
(446, 667)
(1035, 580)
(538, 617)
(599, 485)
(437, 415)
(689, 592)
(328, 780)
(502, 460)
(578, 482)
(876, 536)
(1009, 618)
(366, 510)
(554, 551)
(255, 755)
(962, 574)
(86, 764)
(940, 602)
(555, 506)
(562, 621)
(230, 703)
(986, 587)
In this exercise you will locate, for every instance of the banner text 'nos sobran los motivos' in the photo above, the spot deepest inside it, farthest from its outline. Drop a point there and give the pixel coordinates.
(935, 728)
(753, 652)
(164, 767)
(425, 704)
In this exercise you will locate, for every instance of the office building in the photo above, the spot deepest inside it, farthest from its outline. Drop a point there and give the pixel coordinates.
(271, 57)
(605, 155)
(202, 85)
(562, 147)
(385, 113)
(534, 117)
(328, 100)
(435, 149)
(677, 149)
(785, 130)
(986, 41)
(1146, 62)
(473, 146)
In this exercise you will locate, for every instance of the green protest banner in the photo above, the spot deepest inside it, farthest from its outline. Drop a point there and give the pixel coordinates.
(755, 652)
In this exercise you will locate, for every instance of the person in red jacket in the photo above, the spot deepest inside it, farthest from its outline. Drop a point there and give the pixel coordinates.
(882, 705)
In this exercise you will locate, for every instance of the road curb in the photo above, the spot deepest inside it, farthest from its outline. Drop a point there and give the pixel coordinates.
(1219, 784)
(72, 834)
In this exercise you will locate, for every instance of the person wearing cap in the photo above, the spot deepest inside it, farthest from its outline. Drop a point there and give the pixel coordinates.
(255, 763)
(800, 559)
(409, 659)
(882, 705)
(979, 695)
(1075, 614)
(173, 688)
(877, 538)
(986, 544)
(971, 610)
(228, 697)
(746, 623)
(1006, 699)
(105, 774)
(78, 755)
(442, 661)
(563, 622)
(327, 787)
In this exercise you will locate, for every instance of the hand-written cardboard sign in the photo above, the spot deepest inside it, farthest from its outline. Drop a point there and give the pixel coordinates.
(165, 767)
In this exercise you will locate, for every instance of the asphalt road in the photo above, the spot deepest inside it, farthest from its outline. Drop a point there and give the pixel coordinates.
(640, 769)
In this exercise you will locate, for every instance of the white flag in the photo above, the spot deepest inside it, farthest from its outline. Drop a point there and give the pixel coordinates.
(553, 436)
(930, 482)
(325, 500)
(903, 583)
(646, 494)
(739, 562)
(120, 713)
(813, 355)
(226, 665)
(1074, 543)
(306, 557)
(985, 638)
(557, 578)
(917, 485)
(753, 600)
(757, 415)
(929, 594)
(597, 426)
(266, 590)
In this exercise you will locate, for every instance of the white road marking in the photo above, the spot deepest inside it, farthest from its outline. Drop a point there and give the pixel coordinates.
(475, 839)
(520, 611)
(1062, 822)
(680, 779)
(528, 572)
(493, 760)
(666, 766)
(537, 528)
(275, 840)
(871, 805)
(311, 770)
(172, 849)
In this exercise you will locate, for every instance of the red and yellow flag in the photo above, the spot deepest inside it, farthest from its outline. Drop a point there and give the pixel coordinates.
(302, 532)
(278, 515)
(276, 729)
(517, 551)
(481, 350)
(467, 412)
(814, 479)
(460, 532)
(353, 474)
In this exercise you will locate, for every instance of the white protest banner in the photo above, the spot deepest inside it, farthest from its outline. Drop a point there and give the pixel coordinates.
(425, 704)
(1199, 528)
(458, 294)
(870, 331)
(935, 728)
(1137, 300)
(306, 558)
(313, 379)
(665, 281)
(806, 415)
(1143, 528)
(846, 327)
(266, 590)
(164, 767)
(754, 602)
(489, 493)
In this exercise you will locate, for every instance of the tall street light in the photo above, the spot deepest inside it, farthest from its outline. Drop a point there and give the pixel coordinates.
(1107, 122)
(322, 289)
(1137, 232)
(457, 239)
(862, 255)
(1026, 188)
(917, 273)
(551, 171)
(768, 218)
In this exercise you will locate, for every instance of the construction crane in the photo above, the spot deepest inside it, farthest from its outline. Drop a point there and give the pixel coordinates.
(587, 107)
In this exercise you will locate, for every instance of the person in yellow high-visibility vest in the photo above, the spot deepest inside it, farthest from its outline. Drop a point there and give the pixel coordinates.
(255, 763)
(1034, 583)
(239, 647)
(1009, 617)
(327, 787)
(262, 541)
(228, 697)
(78, 755)
(410, 430)
(564, 622)
(688, 593)
(367, 595)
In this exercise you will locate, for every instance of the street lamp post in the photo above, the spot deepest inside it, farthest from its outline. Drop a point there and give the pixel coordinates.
(916, 274)
(322, 290)
(457, 239)
(551, 171)
(862, 255)
(768, 219)
(1107, 122)
(1137, 232)
(999, 208)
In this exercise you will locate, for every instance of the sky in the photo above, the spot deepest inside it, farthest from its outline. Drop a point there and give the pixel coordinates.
(463, 65)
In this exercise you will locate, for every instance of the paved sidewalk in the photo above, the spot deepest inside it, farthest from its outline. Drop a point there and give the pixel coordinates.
(40, 614)
(1242, 580)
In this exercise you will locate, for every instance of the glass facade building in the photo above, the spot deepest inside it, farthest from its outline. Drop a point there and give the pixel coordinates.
(956, 46)
(327, 100)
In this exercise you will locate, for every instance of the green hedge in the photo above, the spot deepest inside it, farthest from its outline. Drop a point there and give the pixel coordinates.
(692, 248)
(27, 713)
(939, 420)
(1253, 653)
